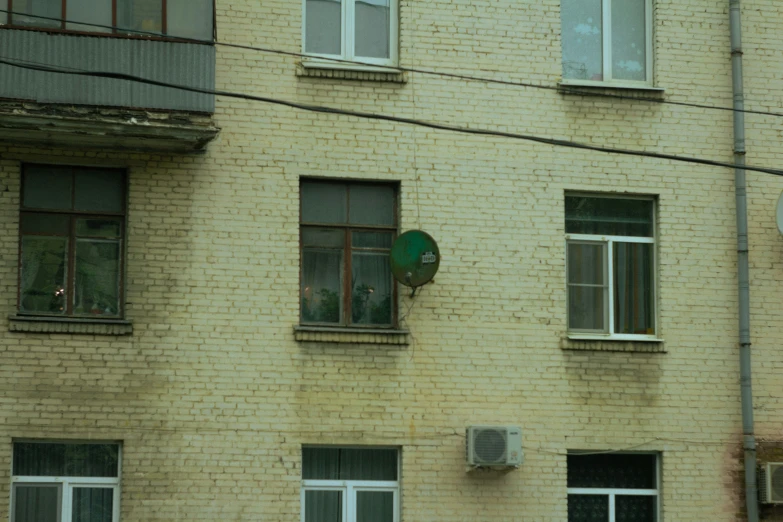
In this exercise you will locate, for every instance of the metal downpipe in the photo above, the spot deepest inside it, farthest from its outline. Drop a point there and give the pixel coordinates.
(743, 270)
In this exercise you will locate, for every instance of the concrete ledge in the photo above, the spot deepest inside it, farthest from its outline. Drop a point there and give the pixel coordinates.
(639, 92)
(21, 323)
(107, 128)
(609, 345)
(322, 334)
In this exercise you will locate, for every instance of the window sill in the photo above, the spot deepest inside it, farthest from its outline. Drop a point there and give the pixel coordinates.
(30, 324)
(324, 334)
(314, 68)
(587, 88)
(612, 344)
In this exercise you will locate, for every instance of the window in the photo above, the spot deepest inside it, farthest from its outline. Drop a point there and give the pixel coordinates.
(610, 266)
(72, 225)
(176, 18)
(613, 487)
(350, 485)
(359, 30)
(607, 41)
(56, 482)
(347, 231)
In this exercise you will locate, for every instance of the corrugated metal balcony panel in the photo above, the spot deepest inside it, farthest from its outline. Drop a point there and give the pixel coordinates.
(177, 63)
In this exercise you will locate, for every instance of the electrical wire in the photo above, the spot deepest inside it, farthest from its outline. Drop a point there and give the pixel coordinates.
(394, 119)
(393, 68)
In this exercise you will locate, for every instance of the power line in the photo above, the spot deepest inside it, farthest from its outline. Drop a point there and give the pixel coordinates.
(395, 119)
(391, 68)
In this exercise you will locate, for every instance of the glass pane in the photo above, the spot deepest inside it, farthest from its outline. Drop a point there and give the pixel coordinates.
(98, 228)
(323, 237)
(38, 8)
(321, 285)
(609, 216)
(586, 263)
(36, 503)
(92, 505)
(3, 14)
(140, 15)
(372, 239)
(374, 506)
(373, 18)
(73, 460)
(629, 56)
(323, 506)
(588, 508)
(48, 224)
(47, 187)
(89, 12)
(372, 205)
(635, 508)
(612, 470)
(582, 34)
(323, 31)
(97, 287)
(189, 19)
(349, 464)
(633, 288)
(323, 202)
(43, 274)
(586, 308)
(100, 191)
(371, 295)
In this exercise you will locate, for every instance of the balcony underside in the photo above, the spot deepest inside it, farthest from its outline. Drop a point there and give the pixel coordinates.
(105, 128)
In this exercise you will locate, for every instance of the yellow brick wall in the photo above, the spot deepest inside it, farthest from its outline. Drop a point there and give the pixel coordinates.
(213, 398)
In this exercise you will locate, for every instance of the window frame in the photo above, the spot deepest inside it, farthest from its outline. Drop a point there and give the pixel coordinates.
(347, 251)
(608, 242)
(606, 51)
(73, 216)
(348, 43)
(612, 493)
(66, 485)
(115, 31)
(350, 488)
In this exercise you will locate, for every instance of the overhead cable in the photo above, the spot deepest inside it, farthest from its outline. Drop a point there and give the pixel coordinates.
(565, 89)
(386, 117)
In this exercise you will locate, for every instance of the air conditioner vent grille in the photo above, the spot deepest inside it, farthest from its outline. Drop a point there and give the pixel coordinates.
(489, 446)
(494, 446)
(771, 483)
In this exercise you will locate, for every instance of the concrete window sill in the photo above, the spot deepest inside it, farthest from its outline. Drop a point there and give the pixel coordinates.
(579, 343)
(340, 71)
(323, 334)
(28, 324)
(597, 88)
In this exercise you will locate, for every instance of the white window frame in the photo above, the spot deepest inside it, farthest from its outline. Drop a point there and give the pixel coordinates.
(608, 269)
(350, 488)
(606, 25)
(347, 44)
(612, 493)
(68, 484)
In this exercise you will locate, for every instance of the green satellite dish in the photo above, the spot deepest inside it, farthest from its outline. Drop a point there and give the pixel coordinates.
(414, 258)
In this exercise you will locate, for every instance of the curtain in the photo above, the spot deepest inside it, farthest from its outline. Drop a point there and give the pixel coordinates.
(374, 506)
(36, 503)
(586, 286)
(92, 505)
(321, 285)
(43, 274)
(371, 288)
(633, 278)
(323, 31)
(323, 506)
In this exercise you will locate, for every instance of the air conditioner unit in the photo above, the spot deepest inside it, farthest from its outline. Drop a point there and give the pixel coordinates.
(494, 446)
(771, 483)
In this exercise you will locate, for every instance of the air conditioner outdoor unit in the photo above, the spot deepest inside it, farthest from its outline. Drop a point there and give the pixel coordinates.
(771, 483)
(494, 446)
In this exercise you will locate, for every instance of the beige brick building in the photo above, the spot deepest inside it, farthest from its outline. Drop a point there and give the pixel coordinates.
(191, 325)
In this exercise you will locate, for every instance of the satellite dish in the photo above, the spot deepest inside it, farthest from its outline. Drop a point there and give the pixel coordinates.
(779, 214)
(414, 258)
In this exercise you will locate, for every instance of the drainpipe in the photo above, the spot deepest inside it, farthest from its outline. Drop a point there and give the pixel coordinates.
(743, 271)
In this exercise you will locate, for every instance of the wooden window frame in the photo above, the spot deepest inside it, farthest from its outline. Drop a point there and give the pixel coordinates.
(348, 249)
(73, 215)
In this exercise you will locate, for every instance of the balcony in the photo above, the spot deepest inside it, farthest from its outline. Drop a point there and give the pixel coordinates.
(68, 110)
